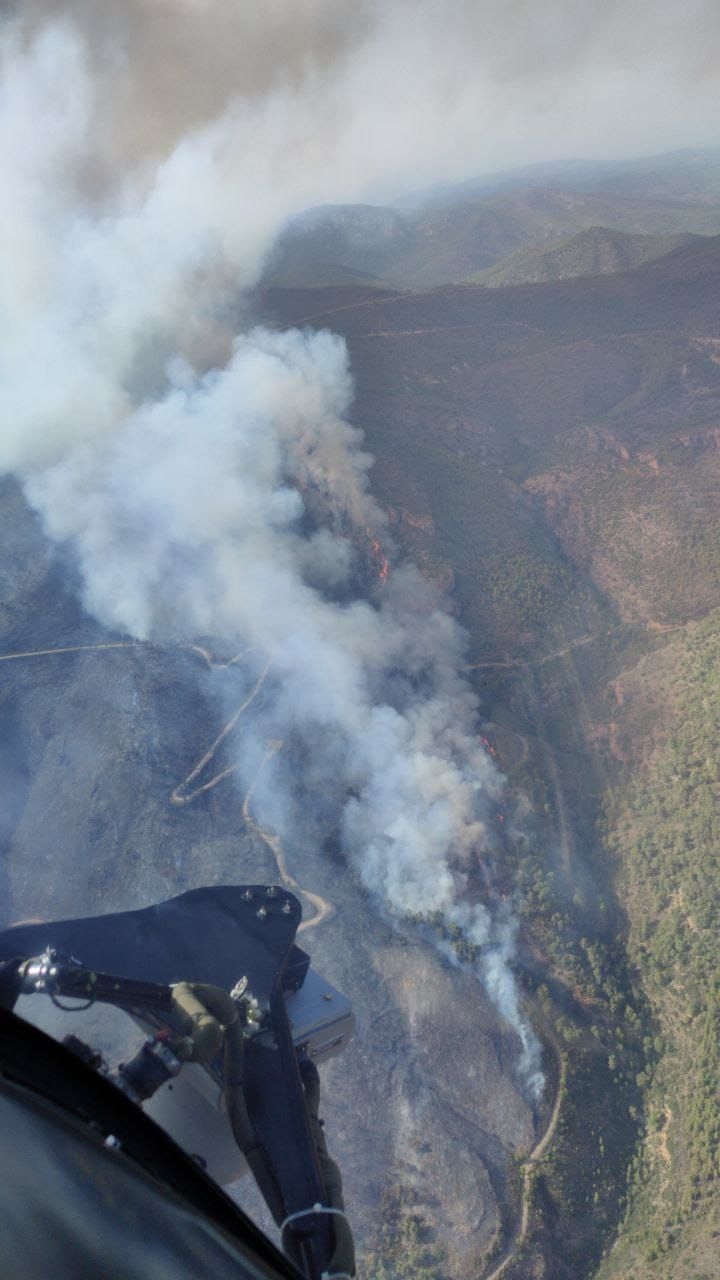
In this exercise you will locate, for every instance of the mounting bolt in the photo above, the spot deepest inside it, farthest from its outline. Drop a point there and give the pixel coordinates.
(239, 989)
(262, 912)
(287, 907)
(271, 891)
(247, 894)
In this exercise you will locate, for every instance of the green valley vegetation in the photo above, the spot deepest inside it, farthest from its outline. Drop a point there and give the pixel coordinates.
(630, 1187)
(595, 251)
(588, 1011)
(663, 830)
(405, 1247)
(569, 1194)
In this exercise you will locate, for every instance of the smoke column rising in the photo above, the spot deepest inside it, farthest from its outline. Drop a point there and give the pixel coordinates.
(232, 502)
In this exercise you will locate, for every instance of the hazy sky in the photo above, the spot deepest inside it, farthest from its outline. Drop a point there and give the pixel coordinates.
(419, 90)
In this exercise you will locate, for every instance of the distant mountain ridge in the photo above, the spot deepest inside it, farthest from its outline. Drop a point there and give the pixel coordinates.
(463, 235)
(597, 251)
(690, 173)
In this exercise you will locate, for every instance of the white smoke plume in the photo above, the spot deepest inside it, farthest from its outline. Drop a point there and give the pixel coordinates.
(380, 94)
(232, 502)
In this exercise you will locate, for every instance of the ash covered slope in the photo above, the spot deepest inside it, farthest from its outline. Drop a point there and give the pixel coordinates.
(424, 1107)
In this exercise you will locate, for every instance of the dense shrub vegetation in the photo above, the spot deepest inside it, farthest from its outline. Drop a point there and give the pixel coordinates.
(664, 831)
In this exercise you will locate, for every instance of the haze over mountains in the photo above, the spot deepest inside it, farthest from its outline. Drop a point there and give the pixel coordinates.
(549, 449)
(546, 223)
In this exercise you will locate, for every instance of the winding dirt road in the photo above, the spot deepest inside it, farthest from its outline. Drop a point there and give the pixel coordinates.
(184, 793)
(365, 303)
(517, 1237)
(655, 628)
(321, 907)
(546, 657)
(72, 648)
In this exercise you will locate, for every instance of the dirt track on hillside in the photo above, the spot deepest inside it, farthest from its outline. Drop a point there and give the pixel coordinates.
(184, 793)
(519, 1233)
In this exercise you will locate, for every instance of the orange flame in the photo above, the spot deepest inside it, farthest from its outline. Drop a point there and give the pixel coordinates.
(379, 560)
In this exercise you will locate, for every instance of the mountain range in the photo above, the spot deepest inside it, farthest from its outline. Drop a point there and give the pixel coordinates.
(459, 235)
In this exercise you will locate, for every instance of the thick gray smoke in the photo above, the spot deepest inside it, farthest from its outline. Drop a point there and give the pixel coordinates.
(231, 503)
(376, 95)
(187, 519)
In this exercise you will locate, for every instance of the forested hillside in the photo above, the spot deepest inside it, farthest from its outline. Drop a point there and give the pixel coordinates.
(550, 454)
(663, 834)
